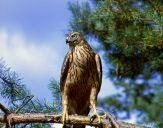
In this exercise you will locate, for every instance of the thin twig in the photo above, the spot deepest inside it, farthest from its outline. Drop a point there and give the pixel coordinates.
(4, 109)
(24, 103)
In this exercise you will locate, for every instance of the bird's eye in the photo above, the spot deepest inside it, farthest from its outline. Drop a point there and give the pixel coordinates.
(73, 35)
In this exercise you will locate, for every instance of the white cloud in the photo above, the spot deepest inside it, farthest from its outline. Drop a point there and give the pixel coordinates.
(56, 125)
(37, 63)
(29, 57)
(60, 126)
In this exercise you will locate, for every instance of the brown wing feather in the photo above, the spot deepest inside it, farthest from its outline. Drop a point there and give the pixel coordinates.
(99, 69)
(64, 71)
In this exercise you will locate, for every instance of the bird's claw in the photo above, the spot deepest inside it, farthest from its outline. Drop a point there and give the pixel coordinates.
(96, 115)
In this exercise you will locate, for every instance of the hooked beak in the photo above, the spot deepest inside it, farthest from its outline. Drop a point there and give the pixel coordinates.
(67, 41)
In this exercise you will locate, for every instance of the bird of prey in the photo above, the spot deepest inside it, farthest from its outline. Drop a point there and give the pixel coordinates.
(81, 77)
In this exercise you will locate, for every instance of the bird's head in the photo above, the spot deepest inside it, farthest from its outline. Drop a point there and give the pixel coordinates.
(74, 38)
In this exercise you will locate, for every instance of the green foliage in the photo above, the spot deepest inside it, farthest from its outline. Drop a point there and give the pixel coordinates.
(20, 100)
(127, 32)
(130, 33)
(55, 90)
(78, 16)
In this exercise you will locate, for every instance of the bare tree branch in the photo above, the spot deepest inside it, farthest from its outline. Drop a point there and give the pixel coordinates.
(10, 119)
(73, 119)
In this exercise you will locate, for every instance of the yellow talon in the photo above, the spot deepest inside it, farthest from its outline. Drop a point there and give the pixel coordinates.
(95, 114)
(98, 116)
(65, 115)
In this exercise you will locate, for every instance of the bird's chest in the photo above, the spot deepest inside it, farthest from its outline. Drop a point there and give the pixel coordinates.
(82, 58)
(82, 65)
(82, 69)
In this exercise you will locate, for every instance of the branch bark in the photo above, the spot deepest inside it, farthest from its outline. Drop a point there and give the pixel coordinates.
(10, 119)
(73, 119)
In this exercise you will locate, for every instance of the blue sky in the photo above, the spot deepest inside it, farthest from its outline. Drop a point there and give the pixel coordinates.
(32, 42)
(38, 19)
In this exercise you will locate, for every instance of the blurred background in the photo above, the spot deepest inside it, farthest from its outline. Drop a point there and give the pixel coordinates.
(128, 35)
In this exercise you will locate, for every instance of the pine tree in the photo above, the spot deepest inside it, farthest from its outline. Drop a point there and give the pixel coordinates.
(19, 100)
(130, 33)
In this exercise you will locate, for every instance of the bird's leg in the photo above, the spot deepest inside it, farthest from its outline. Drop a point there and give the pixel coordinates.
(93, 98)
(64, 114)
(65, 107)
